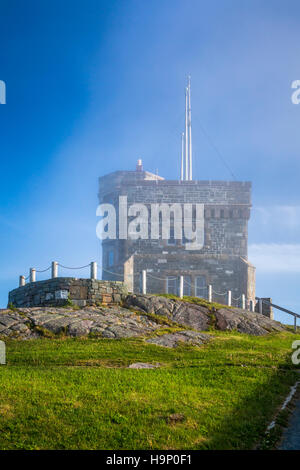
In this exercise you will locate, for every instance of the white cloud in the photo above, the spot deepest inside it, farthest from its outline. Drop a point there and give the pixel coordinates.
(274, 257)
(279, 224)
(286, 214)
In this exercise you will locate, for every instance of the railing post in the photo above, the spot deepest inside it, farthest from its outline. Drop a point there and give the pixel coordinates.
(54, 269)
(260, 306)
(181, 287)
(243, 301)
(295, 323)
(32, 276)
(144, 281)
(209, 293)
(21, 281)
(93, 270)
(229, 298)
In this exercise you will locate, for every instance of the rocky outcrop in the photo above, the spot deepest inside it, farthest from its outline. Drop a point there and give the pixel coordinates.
(245, 322)
(134, 319)
(201, 317)
(115, 322)
(192, 315)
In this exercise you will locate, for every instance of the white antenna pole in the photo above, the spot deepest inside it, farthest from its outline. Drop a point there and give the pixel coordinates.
(182, 156)
(186, 136)
(190, 131)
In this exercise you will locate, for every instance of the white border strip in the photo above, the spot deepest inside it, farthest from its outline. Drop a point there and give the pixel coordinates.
(287, 400)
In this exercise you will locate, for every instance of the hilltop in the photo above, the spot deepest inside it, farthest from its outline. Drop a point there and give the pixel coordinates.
(208, 389)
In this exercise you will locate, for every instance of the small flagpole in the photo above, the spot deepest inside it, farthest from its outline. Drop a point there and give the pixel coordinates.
(190, 130)
(182, 156)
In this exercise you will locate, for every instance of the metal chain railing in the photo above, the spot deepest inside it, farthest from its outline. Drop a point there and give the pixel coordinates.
(43, 270)
(68, 267)
(143, 276)
(161, 278)
(217, 293)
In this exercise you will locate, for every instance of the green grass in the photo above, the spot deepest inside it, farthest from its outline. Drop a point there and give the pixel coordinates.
(79, 393)
(196, 300)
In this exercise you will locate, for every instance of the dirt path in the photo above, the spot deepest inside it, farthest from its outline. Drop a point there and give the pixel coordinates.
(291, 435)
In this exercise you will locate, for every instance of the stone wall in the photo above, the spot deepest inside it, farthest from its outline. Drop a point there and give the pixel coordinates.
(223, 258)
(221, 271)
(267, 310)
(227, 210)
(56, 291)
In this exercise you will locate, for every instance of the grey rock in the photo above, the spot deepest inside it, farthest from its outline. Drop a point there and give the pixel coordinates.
(245, 322)
(108, 334)
(20, 328)
(171, 340)
(79, 328)
(7, 320)
(97, 330)
(57, 325)
(143, 365)
(178, 311)
(119, 322)
(200, 318)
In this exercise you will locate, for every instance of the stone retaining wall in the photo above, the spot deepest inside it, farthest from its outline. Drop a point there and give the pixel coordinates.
(57, 291)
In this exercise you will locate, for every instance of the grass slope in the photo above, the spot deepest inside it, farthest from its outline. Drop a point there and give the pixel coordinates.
(78, 393)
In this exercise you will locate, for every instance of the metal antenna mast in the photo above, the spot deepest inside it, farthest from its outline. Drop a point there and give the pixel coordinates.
(182, 156)
(190, 130)
(186, 172)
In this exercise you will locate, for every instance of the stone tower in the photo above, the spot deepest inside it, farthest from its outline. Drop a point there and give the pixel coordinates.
(222, 261)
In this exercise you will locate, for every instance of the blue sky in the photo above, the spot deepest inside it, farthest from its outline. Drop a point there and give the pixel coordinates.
(94, 85)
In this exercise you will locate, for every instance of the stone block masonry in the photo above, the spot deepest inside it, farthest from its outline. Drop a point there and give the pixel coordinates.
(222, 261)
(55, 292)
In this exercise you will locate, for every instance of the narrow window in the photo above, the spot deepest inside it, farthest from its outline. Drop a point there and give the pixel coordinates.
(171, 240)
(110, 258)
(200, 287)
(187, 285)
(172, 285)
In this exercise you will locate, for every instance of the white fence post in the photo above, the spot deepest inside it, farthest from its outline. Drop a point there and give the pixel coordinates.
(181, 287)
(229, 298)
(54, 269)
(243, 301)
(209, 292)
(93, 270)
(21, 281)
(144, 281)
(32, 275)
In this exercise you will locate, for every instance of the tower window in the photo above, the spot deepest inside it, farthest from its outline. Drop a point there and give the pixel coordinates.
(110, 258)
(187, 285)
(200, 287)
(171, 240)
(171, 285)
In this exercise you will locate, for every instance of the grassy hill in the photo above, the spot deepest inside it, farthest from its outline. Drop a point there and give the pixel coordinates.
(78, 393)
